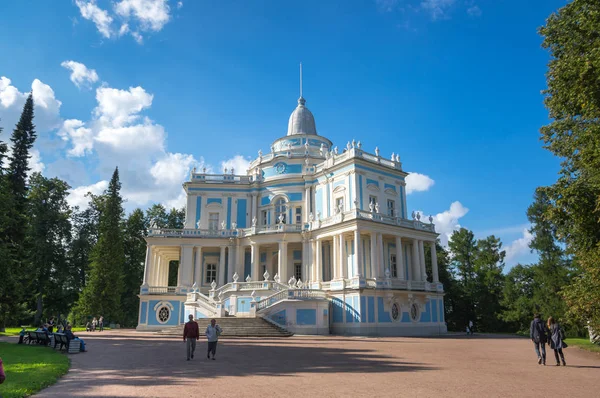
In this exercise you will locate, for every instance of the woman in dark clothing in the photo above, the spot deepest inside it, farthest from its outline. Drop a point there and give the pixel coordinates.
(556, 340)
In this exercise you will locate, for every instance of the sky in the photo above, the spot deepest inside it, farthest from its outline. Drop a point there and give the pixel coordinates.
(157, 87)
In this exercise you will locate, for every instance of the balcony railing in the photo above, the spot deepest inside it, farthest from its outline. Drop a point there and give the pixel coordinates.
(162, 290)
(373, 216)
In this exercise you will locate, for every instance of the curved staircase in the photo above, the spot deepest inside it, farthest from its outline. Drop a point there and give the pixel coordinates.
(235, 327)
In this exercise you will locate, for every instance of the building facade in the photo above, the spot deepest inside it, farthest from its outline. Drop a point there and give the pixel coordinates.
(313, 237)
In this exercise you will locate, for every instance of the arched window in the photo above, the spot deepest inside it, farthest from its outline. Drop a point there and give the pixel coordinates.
(280, 211)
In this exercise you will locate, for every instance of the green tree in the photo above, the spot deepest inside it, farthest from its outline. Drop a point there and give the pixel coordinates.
(489, 262)
(135, 255)
(102, 294)
(452, 294)
(463, 249)
(518, 297)
(85, 236)
(48, 234)
(573, 102)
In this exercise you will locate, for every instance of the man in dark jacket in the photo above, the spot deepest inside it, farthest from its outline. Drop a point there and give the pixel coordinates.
(538, 334)
(191, 333)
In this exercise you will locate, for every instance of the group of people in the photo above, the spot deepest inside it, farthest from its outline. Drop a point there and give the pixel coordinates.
(551, 333)
(48, 328)
(96, 323)
(191, 333)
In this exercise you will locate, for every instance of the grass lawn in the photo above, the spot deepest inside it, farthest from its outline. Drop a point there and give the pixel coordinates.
(15, 331)
(584, 344)
(30, 368)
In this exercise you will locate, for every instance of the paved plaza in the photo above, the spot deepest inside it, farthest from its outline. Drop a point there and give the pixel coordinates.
(131, 364)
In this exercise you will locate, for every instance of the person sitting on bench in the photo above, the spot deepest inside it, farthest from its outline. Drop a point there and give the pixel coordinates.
(73, 338)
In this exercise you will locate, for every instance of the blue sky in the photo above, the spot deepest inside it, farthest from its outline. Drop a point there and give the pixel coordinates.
(158, 86)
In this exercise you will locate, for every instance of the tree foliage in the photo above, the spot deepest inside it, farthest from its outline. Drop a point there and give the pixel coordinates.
(133, 271)
(572, 36)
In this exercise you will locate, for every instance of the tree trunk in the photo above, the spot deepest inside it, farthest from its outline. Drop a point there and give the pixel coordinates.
(38, 310)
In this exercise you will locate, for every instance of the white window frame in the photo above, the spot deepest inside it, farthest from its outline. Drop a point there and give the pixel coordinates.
(281, 203)
(214, 227)
(211, 270)
(391, 209)
(298, 270)
(298, 215)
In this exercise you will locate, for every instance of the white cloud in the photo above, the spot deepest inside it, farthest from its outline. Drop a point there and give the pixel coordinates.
(90, 11)
(172, 169)
(151, 14)
(448, 221)
(239, 163)
(179, 4)
(81, 137)
(519, 247)
(46, 106)
(437, 8)
(133, 139)
(80, 74)
(386, 5)
(474, 11)
(416, 182)
(35, 162)
(138, 37)
(78, 197)
(124, 29)
(120, 107)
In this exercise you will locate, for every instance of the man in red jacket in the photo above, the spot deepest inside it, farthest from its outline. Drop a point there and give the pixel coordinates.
(190, 335)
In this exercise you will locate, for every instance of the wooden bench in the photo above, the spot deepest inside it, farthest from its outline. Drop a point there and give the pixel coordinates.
(39, 338)
(62, 340)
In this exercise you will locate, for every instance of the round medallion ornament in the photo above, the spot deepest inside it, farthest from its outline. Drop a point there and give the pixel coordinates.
(164, 314)
(414, 312)
(395, 311)
(280, 168)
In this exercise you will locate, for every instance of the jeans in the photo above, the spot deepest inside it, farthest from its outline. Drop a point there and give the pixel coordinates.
(212, 347)
(191, 346)
(537, 350)
(562, 356)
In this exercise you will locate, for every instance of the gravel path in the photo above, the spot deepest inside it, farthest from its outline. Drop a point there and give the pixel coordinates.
(131, 364)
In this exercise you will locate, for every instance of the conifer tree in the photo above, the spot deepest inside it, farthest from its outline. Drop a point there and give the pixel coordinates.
(135, 255)
(103, 291)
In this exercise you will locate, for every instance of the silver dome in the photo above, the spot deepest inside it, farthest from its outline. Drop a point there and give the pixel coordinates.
(302, 120)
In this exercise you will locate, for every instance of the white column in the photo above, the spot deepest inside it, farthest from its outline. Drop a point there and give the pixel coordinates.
(343, 258)
(230, 262)
(381, 256)
(252, 207)
(306, 211)
(239, 261)
(422, 257)
(373, 255)
(400, 259)
(147, 264)
(305, 260)
(255, 261)
(186, 268)
(335, 260)
(221, 271)
(198, 267)
(434, 264)
(416, 262)
(357, 253)
(318, 261)
(282, 262)
(154, 270)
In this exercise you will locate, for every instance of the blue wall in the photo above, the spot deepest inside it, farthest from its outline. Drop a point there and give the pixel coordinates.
(214, 200)
(243, 304)
(434, 315)
(306, 317)
(198, 210)
(173, 320)
(295, 196)
(279, 318)
(338, 310)
(319, 203)
(363, 309)
(371, 307)
(228, 212)
(384, 316)
(143, 312)
(426, 315)
(241, 213)
(247, 266)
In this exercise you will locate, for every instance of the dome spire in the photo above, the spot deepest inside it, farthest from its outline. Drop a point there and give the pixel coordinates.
(301, 120)
(300, 79)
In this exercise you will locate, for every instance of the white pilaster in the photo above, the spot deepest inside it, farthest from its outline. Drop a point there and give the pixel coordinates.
(255, 261)
(434, 264)
(230, 262)
(381, 256)
(334, 258)
(416, 262)
(343, 258)
(318, 262)
(186, 268)
(306, 210)
(147, 264)
(422, 257)
(282, 262)
(305, 260)
(400, 259)
(373, 255)
(198, 266)
(357, 253)
(239, 262)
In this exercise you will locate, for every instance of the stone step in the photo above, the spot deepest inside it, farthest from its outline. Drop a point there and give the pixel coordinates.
(236, 327)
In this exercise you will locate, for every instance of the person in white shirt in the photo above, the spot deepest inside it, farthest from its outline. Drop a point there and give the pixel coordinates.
(212, 334)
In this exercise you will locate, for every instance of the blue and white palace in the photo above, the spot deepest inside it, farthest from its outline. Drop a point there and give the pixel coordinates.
(313, 237)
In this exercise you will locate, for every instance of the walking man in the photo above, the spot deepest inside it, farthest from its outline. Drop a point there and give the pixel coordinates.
(212, 334)
(538, 334)
(101, 323)
(191, 333)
